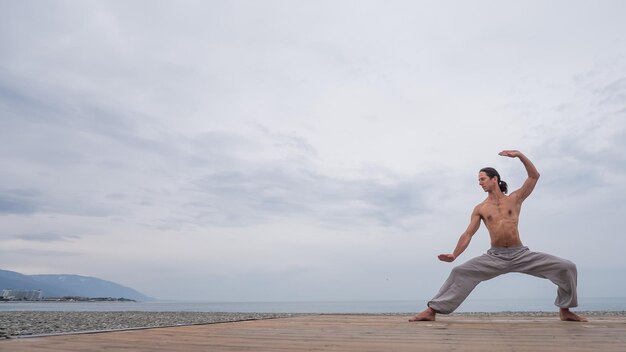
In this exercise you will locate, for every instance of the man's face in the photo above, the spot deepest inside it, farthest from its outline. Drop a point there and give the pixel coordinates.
(488, 184)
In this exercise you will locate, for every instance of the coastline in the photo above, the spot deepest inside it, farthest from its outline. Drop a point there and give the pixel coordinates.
(38, 323)
(19, 324)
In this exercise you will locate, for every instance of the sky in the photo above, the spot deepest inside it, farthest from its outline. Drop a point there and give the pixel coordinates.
(307, 150)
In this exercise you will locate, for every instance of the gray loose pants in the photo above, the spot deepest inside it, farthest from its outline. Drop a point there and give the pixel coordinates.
(498, 261)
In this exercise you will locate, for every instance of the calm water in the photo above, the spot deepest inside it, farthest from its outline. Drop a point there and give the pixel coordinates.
(471, 305)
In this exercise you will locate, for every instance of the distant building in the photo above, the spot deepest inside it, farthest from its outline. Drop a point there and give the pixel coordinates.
(21, 295)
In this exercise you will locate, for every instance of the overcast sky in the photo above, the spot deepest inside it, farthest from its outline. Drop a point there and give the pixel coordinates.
(307, 150)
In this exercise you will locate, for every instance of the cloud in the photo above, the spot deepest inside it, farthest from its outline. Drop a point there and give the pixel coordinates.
(277, 191)
(586, 152)
(45, 237)
(19, 201)
(614, 93)
(231, 181)
(22, 253)
(282, 133)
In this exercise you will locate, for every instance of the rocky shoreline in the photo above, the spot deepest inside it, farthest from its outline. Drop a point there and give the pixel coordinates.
(29, 323)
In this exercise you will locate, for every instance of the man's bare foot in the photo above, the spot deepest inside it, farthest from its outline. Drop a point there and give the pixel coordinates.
(426, 315)
(567, 315)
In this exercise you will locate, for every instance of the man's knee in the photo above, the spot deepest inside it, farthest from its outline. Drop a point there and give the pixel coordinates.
(572, 267)
(459, 271)
(568, 266)
(468, 273)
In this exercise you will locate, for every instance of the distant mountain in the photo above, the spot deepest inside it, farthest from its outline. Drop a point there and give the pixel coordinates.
(68, 285)
(17, 281)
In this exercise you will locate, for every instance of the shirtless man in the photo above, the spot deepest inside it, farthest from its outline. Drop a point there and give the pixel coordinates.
(500, 213)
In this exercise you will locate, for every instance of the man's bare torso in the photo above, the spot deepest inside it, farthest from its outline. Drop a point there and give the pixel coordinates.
(501, 216)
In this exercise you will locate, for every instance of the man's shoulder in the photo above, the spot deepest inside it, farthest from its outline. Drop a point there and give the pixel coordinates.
(480, 206)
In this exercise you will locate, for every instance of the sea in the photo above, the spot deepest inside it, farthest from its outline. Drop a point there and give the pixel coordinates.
(603, 304)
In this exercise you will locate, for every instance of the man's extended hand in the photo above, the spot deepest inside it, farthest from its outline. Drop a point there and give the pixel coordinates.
(446, 257)
(510, 153)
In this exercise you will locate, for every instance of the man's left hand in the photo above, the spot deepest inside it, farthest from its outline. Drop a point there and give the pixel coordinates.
(510, 153)
(446, 257)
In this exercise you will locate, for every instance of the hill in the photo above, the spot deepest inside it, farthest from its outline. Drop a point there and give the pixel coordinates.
(68, 285)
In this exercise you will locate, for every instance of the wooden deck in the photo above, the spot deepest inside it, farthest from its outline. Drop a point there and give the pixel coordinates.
(352, 333)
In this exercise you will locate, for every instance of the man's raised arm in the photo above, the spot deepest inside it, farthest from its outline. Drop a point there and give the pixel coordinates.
(533, 174)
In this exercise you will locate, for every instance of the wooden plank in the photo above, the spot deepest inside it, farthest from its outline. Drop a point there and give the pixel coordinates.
(352, 333)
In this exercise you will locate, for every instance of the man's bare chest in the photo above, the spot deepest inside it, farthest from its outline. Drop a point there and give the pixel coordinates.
(499, 210)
